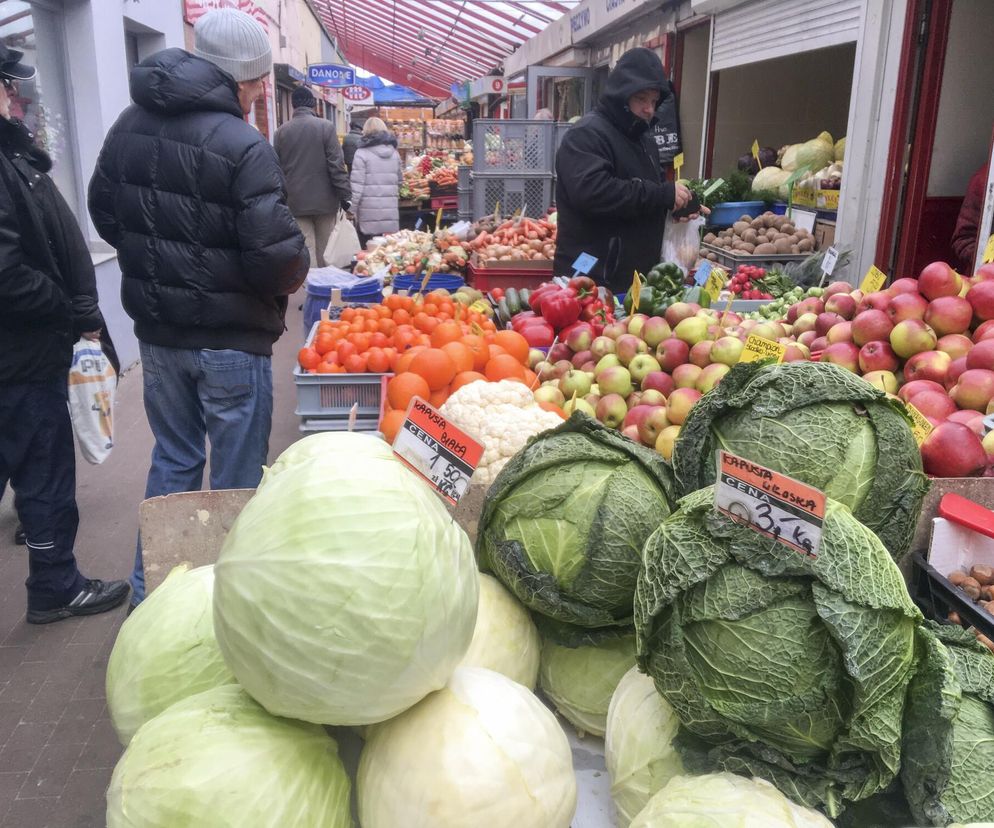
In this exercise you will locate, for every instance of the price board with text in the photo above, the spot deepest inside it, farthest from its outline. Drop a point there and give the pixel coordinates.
(772, 504)
(434, 448)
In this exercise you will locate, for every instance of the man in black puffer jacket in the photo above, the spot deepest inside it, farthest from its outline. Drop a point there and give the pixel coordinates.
(193, 199)
(610, 194)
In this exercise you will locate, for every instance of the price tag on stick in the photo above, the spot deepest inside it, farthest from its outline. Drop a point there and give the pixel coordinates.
(920, 427)
(772, 504)
(755, 153)
(703, 272)
(636, 292)
(678, 164)
(434, 448)
(715, 282)
(874, 279)
(828, 262)
(438, 219)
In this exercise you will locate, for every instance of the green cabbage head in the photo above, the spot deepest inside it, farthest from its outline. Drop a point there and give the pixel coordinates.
(638, 746)
(344, 592)
(580, 680)
(483, 751)
(778, 665)
(820, 424)
(724, 800)
(165, 651)
(219, 759)
(948, 758)
(505, 639)
(564, 522)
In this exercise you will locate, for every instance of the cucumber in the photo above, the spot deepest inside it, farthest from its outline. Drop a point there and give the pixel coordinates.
(513, 300)
(503, 311)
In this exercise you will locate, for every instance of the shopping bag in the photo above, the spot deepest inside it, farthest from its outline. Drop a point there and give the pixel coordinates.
(682, 242)
(92, 383)
(343, 243)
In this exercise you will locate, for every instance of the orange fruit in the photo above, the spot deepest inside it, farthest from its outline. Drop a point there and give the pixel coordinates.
(531, 378)
(435, 366)
(345, 350)
(404, 363)
(355, 364)
(402, 388)
(438, 398)
(402, 316)
(514, 343)
(461, 356)
(481, 352)
(323, 343)
(465, 378)
(391, 423)
(377, 361)
(446, 332)
(496, 351)
(308, 358)
(555, 409)
(326, 368)
(504, 366)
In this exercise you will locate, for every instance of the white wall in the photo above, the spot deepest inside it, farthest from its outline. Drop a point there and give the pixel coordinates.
(693, 91)
(782, 101)
(966, 102)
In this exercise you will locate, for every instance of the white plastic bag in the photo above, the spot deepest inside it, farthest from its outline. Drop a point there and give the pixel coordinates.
(682, 242)
(92, 383)
(343, 243)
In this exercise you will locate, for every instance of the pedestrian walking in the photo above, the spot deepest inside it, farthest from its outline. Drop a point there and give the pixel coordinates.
(316, 180)
(48, 299)
(351, 143)
(377, 173)
(193, 199)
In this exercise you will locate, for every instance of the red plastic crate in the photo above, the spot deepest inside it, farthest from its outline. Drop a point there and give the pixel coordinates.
(487, 278)
(446, 202)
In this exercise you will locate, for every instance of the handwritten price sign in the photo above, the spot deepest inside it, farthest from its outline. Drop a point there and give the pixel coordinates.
(757, 348)
(434, 448)
(772, 504)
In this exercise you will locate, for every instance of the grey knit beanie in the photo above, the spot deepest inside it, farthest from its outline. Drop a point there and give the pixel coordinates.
(233, 41)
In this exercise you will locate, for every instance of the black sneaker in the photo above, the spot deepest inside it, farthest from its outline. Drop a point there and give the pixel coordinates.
(19, 537)
(94, 598)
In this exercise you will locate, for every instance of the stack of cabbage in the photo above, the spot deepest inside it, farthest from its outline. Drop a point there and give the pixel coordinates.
(563, 528)
(819, 154)
(344, 595)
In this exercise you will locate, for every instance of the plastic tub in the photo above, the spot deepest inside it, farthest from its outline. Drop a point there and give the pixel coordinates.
(729, 212)
(438, 281)
(319, 296)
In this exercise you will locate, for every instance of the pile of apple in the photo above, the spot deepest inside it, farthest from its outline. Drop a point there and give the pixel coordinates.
(929, 341)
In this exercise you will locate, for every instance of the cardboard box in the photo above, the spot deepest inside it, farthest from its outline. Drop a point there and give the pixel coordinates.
(824, 234)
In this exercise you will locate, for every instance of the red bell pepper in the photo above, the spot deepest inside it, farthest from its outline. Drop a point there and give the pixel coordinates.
(537, 295)
(560, 309)
(519, 319)
(584, 287)
(538, 334)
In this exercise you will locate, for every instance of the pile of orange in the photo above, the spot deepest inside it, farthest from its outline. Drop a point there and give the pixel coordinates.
(451, 360)
(374, 339)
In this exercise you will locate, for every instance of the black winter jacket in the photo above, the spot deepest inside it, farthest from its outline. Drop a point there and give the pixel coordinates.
(350, 144)
(610, 195)
(194, 201)
(48, 291)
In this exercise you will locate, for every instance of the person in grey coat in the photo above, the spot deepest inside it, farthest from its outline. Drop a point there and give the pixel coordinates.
(377, 172)
(316, 181)
(351, 142)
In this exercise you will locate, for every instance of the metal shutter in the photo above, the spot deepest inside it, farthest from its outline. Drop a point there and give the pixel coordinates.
(767, 29)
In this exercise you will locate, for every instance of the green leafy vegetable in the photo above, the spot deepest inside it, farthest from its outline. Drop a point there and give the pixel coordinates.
(344, 592)
(724, 800)
(779, 665)
(638, 744)
(818, 423)
(580, 681)
(219, 759)
(564, 523)
(165, 651)
(948, 747)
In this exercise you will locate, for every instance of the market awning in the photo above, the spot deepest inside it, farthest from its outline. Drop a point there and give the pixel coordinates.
(387, 94)
(431, 44)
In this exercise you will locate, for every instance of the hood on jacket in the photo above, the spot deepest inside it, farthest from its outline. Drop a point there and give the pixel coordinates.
(173, 81)
(15, 137)
(378, 139)
(637, 69)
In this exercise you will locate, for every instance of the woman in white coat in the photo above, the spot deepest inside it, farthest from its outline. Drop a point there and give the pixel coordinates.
(377, 173)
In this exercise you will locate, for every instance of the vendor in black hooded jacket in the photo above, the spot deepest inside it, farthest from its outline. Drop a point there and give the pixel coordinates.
(610, 193)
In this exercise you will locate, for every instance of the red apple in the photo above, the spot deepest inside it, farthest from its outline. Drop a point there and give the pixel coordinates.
(907, 306)
(844, 354)
(956, 369)
(839, 333)
(974, 389)
(935, 404)
(819, 344)
(796, 352)
(985, 330)
(909, 389)
(949, 315)
(877, 356)
(612, 410)
(658, 381)
(878, 300)
(928, 365)
(836, 288)
(912, 336)
(679, 311)
(903, 285)
(826, 321)
(938, 279)
(984, 272)
(981, 299)
(871, 326)
(636, 414)
(807, 338)
(973, 420)
(841, 303)
(981, 355)
(679, 404)
(956, 345)
(632, 433)
(671, 353)
(953, 450)
(685, 376)
(810, 305)
(700, 354)
(652, 424)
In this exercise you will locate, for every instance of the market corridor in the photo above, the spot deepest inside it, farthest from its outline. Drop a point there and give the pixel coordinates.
(57, 747)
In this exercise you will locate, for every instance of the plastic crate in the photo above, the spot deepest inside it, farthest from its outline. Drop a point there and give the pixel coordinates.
(446, 202)
(532, 193)
(729, 212)
(486, 279)
(936, 597)
(513, 146)
(561, 130)
(730, 260)
(330, 397)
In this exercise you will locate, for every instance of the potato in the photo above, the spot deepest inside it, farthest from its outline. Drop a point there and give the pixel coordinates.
(782, 245)
(954, 618)
(750, 236)
(787, 228)
(794, 250)
(970, 588)
(987, 606)
(956, 577)
(987, 593)
(805, 245)
(766, 248)
(744, 219)
(983, 575)
(709, 238)
(740, 227)
(757, 223)
(748, 248)
(769, 220)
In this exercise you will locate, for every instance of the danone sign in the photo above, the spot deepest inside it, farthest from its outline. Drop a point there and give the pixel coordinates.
(330, 74)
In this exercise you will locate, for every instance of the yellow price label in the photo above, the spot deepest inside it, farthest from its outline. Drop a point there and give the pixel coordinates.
(636, 292)
(714, 284)
(920, 426)
(678, 164)
(757, 348)
(438, 219)
(874, 279)
(989, 251)
(755, 152)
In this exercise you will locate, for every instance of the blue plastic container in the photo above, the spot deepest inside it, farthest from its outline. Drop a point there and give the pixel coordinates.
(729, 212)
(319, 296)
(438, 281)
(779, 208)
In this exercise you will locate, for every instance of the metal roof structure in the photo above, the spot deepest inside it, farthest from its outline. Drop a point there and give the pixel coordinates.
(429, 45)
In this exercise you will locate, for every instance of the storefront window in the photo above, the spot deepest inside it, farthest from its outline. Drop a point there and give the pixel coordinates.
(36, 30)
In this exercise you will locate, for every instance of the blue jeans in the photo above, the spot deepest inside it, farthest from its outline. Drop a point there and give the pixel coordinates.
(193, 395)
